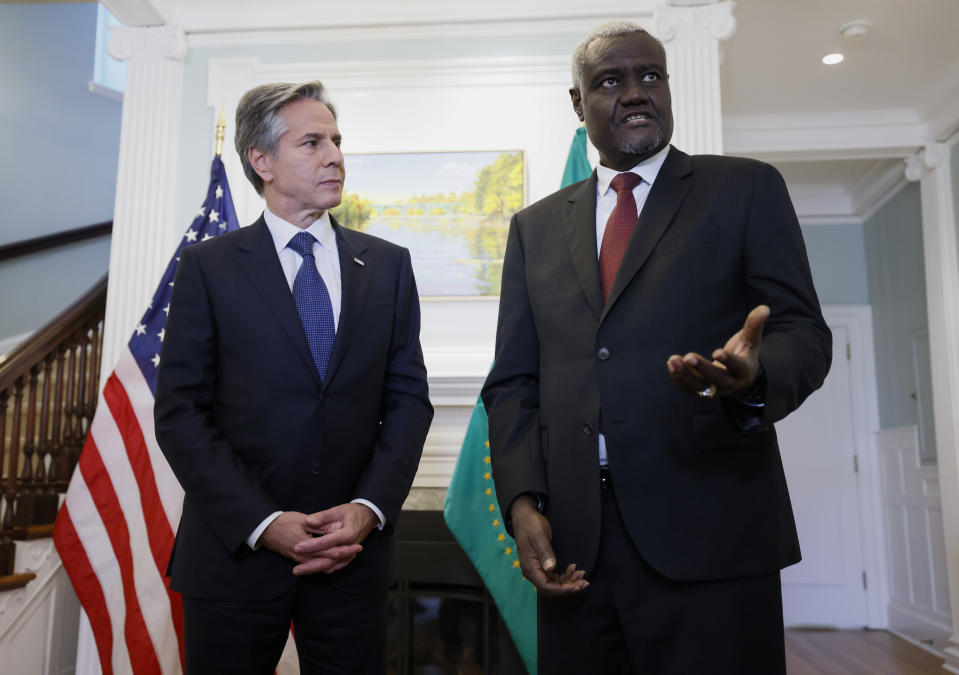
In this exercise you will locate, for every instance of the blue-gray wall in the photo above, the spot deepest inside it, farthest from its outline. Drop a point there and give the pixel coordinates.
(897, 290)
(837, 258)
(60, 144)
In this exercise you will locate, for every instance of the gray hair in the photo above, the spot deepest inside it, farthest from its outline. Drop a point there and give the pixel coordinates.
(607, 30)
(258, 122)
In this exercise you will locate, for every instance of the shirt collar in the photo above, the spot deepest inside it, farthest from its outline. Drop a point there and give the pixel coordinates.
(648, 169)
(282, 231)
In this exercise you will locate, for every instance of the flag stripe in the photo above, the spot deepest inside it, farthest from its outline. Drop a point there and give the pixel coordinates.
(139, 645)
(158, 527)
(148, 580)
(99, 553)
(85, 581)
(141, 398)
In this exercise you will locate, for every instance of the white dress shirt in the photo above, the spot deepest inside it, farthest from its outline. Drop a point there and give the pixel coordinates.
(648, 169)
(327, 259)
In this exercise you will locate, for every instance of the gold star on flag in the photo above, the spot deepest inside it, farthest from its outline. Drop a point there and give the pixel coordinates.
(489, 491)
(516, 563)
(492, 507)
(496, 522)
(486, 460)
(486, 444)
(508, 551)
(486, 475)
(501, 537)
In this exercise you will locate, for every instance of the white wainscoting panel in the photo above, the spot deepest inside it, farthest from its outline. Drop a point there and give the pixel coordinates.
(912, 511)
(39, 622)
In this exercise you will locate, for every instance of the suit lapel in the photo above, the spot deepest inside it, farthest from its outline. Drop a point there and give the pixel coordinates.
(355, 279)
(256, 256)
(664, 199)
(580, 224)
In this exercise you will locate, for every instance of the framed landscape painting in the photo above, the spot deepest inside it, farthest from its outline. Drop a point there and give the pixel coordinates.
(450, 209)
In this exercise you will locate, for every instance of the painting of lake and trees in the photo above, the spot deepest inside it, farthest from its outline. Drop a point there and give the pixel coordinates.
(450, 209)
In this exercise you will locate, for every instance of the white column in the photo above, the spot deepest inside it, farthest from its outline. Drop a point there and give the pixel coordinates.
(931, 167)
(691, 35)
(146, 171)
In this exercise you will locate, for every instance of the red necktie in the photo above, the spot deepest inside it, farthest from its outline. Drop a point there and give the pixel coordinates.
(619, 228)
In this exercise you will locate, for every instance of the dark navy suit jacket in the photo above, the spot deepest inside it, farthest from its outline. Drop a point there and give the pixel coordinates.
(701, 498)
(248, 426)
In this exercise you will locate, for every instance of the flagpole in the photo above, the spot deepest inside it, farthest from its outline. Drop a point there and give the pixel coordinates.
(220, 131)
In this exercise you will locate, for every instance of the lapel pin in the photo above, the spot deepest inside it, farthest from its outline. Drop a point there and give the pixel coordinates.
(359, 262)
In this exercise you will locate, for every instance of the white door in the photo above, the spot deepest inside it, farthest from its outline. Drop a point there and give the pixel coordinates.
(818, 447)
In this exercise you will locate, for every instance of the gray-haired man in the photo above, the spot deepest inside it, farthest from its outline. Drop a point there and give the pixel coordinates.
(292, 405)
(643, 480)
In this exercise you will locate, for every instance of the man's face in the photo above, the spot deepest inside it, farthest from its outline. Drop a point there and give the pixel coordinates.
(625, 100)
(306, 176)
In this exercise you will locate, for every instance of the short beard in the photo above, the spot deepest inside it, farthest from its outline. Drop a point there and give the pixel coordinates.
(646, 148)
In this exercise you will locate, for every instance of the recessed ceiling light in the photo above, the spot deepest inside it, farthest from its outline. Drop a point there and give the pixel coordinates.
(832, 59)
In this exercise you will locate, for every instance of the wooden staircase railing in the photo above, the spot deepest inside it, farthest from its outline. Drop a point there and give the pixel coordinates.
(48, 392)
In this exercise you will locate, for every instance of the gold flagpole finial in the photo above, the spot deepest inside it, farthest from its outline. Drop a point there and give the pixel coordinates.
(220, 131)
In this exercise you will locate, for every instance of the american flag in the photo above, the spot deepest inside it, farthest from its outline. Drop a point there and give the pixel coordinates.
(115, 529)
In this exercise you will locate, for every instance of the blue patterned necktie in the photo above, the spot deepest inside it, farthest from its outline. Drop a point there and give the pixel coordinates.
(313, 303)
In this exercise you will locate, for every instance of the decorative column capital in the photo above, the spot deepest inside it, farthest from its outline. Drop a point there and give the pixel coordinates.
(147, 43)
(930, 157)
(704, 19)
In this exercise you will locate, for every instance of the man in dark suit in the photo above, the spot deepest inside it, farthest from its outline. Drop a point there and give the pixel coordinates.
(642, 480)
(292, 406)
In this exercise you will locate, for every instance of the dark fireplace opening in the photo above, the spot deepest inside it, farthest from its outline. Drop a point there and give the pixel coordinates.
(442, 619)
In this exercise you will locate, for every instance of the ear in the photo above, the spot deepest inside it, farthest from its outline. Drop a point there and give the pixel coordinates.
(577, 102)
(260, 161)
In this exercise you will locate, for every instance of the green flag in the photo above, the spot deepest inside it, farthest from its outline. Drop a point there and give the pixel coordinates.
(473, 517)
(471, 510)
(577, 165)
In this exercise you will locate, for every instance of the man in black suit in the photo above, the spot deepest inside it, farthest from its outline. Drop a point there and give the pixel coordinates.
(642, 480)
(292, 405)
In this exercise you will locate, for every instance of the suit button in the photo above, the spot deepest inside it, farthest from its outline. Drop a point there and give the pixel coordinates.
(315, 467)
(602, 354)
(324, 400)
(587, 428)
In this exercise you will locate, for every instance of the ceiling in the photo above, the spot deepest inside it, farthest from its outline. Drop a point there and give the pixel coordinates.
(838, 133)
(909, 59)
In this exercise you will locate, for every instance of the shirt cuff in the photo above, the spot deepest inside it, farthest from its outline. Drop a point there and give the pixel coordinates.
(374, 509)
(747, 411)
(253, 541)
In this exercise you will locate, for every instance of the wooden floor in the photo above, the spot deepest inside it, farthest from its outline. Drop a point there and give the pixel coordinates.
(856, 652)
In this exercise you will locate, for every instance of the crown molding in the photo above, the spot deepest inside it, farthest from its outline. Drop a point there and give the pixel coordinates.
(822, 202)
(878, 188)
(380, 33)
(853, 134)
(228, 77)
(219, 16)
(140, 12)
(818, 221)
(836, 204)
(684, 20)
(147, 43)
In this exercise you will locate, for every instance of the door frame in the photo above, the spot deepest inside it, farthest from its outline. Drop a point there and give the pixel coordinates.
(857, 320)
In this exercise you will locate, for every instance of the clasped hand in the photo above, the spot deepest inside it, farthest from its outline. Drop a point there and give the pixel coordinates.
(325, 541)
(732, 369)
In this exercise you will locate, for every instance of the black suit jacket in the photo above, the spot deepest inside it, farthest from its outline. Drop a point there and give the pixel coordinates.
(248, 426)
(700, 498)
